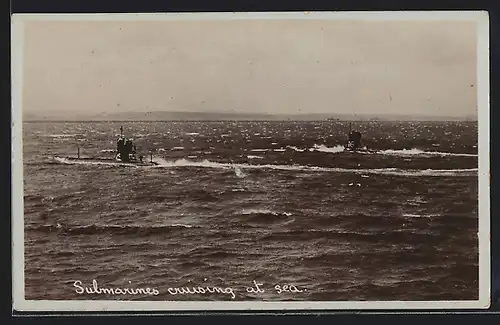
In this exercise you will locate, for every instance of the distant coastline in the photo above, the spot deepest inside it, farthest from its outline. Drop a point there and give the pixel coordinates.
(54, 117)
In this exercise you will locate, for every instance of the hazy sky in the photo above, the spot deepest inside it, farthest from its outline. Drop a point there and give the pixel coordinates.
(275, 66)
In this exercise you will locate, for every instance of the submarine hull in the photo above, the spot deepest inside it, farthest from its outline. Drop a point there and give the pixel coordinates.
(115, 161)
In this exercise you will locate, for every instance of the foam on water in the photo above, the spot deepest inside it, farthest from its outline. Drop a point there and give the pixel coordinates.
(239, 173)
(381, 171)
(390, 152)
(323, 148)
(264, 211)
(162, 163)
(414, 215)
(296, 149)
(181, 225)
(418, 152)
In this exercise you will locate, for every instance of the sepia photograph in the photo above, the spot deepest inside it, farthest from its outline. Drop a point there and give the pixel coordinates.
(205, 161)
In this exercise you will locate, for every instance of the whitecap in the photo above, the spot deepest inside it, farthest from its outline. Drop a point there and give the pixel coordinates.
(264, 211)
(323, 148)
(418, 152)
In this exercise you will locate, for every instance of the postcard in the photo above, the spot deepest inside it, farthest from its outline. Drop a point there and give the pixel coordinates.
(250, 161)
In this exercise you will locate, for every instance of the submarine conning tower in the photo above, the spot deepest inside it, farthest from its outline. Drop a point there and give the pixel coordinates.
(353, 139)
(125, 147)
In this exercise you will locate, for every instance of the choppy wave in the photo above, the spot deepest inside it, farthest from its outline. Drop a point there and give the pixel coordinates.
(199, 223)
(64, 135)
(115, 229)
